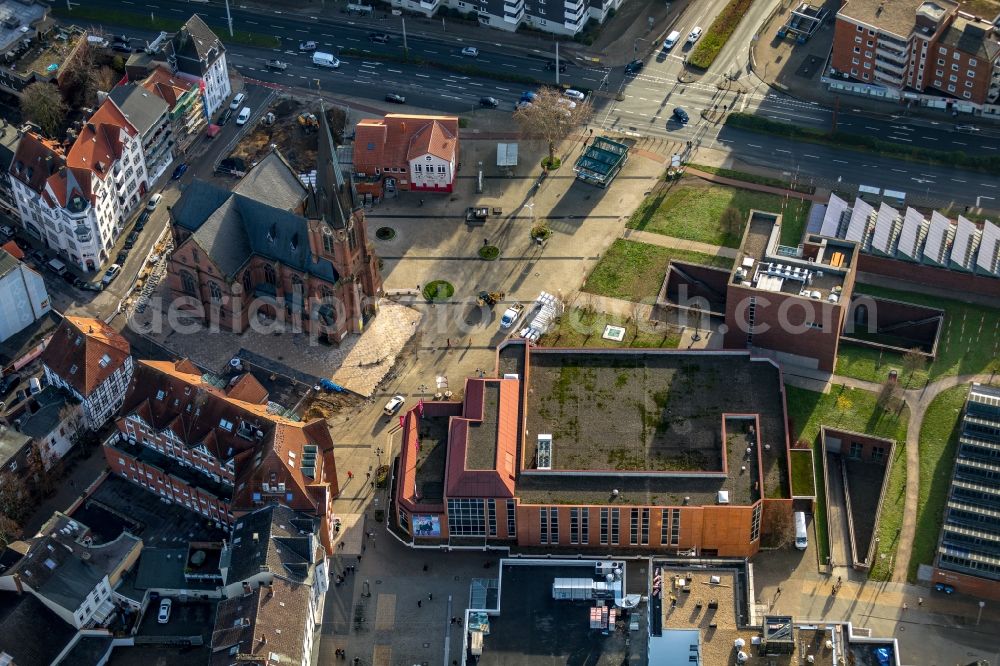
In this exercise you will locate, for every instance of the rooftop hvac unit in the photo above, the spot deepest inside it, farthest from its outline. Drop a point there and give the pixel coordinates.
(723, 497)
(544, 452)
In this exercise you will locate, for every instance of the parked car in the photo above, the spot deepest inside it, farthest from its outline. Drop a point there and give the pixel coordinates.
(9, 382)
(244, 116)
(551, 66)
(111, 274)
(7, 230)
(307, 46)
(681, 115)
(395, 99)
(123, 47)
(179, 171)
(694, 36)
(470, 51)
(154, 201)
(379, 37)
(277, 64)
(164, 615)
(140, 224)
(574, 94)
(489, 102)
(394, 404)
(237, 101)
(634, 67)
(224, 118)
(122, 256)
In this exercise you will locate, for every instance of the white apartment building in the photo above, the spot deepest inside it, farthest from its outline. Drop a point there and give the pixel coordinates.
(197, 53)
(78, 203)
(562, 17)
(23, 297)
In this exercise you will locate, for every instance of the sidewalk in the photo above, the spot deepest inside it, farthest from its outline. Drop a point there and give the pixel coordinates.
(679, 243)
(757, 187)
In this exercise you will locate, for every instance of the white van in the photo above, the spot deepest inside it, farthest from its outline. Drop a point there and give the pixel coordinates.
(34, 385)
(58, 267)
(321, 59)
(801, 536)
(671, 40)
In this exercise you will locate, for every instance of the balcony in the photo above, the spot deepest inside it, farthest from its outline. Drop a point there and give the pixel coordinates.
(891, 51)
(572, 6)
(894, 80)
(429, 5)
(890, 65)
(514, 8)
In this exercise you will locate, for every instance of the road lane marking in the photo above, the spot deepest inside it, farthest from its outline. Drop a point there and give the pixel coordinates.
(928, 138)
(779, 150)
(423, 76)
(753, 145)
(956, 180)
(808, 155)
(987, 185)
(899, 171)
(959, 143)
(503, 89)
(248, 22)
(394, 71)
(840, 161)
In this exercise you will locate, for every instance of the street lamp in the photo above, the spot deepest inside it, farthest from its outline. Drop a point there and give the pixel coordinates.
(982, 605)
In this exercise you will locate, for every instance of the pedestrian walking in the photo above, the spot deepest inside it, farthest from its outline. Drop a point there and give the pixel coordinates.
(373, 485)
(359, 558)
(369, 475)
(430, 597)
(920, 601)
(905, 607)
(426, 567)
(350, 475)
(420, 604)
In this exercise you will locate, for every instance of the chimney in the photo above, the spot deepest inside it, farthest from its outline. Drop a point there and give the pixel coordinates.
(263, 639)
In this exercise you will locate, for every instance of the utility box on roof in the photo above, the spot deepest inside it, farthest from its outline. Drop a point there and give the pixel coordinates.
(572, 589)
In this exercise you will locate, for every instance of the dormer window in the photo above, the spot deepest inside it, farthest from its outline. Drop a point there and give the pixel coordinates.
(105, 360)
(226, 425)
(160, 395)
(73, 370)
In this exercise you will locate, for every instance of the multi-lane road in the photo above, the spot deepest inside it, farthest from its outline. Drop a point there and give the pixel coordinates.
(644, 102)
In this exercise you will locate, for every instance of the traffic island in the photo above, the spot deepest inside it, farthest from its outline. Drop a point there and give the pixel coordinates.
(489, 252)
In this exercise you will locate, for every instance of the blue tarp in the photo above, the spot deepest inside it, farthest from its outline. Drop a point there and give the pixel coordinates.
(883, 655)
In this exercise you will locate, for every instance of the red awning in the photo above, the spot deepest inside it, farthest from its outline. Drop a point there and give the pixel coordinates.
(212, 131)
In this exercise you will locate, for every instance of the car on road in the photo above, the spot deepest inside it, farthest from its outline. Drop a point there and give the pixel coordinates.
(244, 116)
(224, 118)
(470, 51)
(574, 94)
(87, 286)
(551, 66)
(695, 35)
(394, 405)
(9, 382)
(111, 274)
(321, 59)
(681, 115)
(140, 224)
(122, 256)
(237, 101)
(7, 230)
(276, 64)
(634, 67)
(154, 201)
(38, 256)
(378, 37)
(395, 99)
(131, 241)
(163, 616)
(307, 46)
(179, 171)
(489, 102)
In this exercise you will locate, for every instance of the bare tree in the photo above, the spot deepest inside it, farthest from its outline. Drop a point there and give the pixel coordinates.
(15, 498)
(104, 78)
(913, 361)
(42, 103)
(889, 395)
(551, 117)
(9, 530)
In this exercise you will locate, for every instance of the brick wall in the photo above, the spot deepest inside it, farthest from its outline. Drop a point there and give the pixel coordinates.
(921, 274)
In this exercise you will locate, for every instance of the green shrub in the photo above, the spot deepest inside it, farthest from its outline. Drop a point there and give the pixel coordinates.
(718, 33)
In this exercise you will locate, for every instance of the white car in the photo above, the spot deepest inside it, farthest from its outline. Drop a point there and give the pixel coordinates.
(154, 201)
(164, 615)
(568, 103)
(695, 35)
(244, 116)
(111, 274)
(393, 405)
(470, 51)
(235, 104)
(574, 94)
(7, 230)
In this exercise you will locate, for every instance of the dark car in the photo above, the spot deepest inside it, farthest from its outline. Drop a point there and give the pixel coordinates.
(634, 67)
(551, 66)
(378, 37)
(124, 47)
(140, 224)
(179, 171)
(489, 102)
(122, 256)
(224, 118)
(395, 99)
(681, 115)
(8, 383)
(130, 241)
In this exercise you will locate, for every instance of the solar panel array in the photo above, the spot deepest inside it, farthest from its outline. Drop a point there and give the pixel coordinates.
(988, 258)
(886, 229)
(860, 218)
(912, 233)
(966, 243)
(834, 212)
(936, 248)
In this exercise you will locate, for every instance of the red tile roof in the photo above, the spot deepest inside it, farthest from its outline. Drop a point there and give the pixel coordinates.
(84, 352)
(393, 140)
(247, 389)
(460, 481)
(166, 86)
(35, 160)
(99, 144)
(13, 250)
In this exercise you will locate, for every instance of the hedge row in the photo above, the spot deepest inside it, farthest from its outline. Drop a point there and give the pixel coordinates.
(718, 34)
(120, 19)
(865, 143)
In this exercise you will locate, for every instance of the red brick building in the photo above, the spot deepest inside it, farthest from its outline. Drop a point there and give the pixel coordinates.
(404, 152)
(791, 301)
(276, 249)
(598, 450)
(219, 448)
(916, 50)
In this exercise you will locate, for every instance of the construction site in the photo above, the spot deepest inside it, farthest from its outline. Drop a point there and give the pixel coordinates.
(290, 125)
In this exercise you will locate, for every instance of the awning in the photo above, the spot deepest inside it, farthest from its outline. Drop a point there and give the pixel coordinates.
(212, 131)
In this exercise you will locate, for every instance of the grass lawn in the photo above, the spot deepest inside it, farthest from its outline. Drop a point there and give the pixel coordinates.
(579, 328)
(970, 341)
(692, 209)
(852, 409)
(755, 178)
(803, 479)
(634, 271)
(938, 442)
